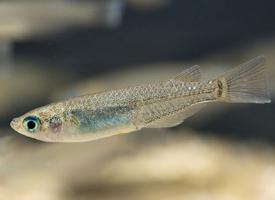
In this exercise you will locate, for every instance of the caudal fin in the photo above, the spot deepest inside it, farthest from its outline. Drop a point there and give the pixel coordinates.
(246, 83)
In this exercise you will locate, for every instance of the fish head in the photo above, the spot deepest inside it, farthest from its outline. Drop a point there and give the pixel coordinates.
(45, 124)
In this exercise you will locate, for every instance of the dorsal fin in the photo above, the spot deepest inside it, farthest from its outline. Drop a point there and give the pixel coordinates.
(191, 74)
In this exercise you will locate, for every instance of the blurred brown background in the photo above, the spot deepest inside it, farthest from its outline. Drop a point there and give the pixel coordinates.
(53, 49)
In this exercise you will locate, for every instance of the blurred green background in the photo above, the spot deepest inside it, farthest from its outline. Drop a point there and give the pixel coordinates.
(54, 49)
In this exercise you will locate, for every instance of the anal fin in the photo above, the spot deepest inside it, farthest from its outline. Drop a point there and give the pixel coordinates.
(176, 118)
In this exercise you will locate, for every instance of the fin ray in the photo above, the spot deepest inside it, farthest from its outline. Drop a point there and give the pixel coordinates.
(191, 74)
(175, 118)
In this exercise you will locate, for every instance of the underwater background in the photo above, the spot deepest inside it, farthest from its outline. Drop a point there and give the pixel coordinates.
(54, 49)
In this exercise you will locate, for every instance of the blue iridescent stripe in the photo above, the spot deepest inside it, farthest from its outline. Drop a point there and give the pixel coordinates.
(100, 119)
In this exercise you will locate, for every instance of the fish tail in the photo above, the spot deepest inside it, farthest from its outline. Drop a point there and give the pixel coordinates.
(246, 83)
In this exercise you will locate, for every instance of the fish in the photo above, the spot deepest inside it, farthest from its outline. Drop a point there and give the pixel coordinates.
(159, 104)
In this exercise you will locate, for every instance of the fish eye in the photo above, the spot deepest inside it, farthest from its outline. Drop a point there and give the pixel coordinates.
(31, 123)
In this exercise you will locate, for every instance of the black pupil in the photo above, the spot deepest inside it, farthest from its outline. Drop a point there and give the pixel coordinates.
(31, 124)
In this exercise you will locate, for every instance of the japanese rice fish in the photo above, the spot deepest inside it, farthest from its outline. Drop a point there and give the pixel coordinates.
(155, 105)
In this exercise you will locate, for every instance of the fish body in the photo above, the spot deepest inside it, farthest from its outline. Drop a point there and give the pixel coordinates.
(154, 105)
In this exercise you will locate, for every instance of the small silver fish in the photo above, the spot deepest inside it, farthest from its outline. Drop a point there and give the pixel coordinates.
(155, 105)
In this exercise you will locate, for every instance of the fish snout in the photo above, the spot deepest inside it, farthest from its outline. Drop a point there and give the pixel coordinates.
(14, 123)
